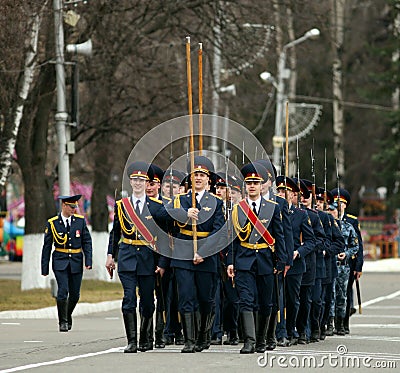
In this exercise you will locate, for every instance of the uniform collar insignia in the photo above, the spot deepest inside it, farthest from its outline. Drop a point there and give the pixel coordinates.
(148, 217)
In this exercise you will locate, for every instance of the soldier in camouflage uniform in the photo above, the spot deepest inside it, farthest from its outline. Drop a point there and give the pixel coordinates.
(343, 258)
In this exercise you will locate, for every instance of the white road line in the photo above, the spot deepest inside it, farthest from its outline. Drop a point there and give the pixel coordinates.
(33, 341)
(375, 316)
(10, 323)
(59, 361)
(380, 299)
(378, 326)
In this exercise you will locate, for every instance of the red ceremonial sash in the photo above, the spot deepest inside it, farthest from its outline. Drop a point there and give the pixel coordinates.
(138, 223)
(256, 222)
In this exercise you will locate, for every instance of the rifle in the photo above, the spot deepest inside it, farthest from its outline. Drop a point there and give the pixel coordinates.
(325, 190)
(298, 172)
(339, 208)
(313, 198)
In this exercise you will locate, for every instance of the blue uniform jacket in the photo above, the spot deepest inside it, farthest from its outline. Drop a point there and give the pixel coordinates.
(287, 229)
(78, 238)
(315, 265)
(303, 238)
(139, 258)
(212, 233)
(357, 262)
(243, 258)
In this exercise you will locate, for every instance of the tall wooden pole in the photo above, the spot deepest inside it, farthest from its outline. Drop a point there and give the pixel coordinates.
(191, 146)
(200, 58)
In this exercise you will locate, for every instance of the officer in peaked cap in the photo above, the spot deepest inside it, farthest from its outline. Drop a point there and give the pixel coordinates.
(304, 243)
(236, 184)
(272, 332)
(137, 220)
(356, 261)
(311, 284)
(324, 199)
(196, 272)
(171, 182)
(69, 235)
(259, 249)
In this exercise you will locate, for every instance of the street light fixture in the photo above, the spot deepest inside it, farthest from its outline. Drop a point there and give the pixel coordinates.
(284, 73)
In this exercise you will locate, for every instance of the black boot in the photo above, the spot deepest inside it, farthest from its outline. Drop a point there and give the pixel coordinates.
(71, 306)
(339, 327)
(302, 340)
(315, 335)
(271, 339)
(189, 332)
(262, 325)
(233, 339)
(62, 309)
(145, 344)
(329, 329)
(130, 323)
(159, 331)
(346, 324)
(249, 333)
(322, 336)
(204, 338)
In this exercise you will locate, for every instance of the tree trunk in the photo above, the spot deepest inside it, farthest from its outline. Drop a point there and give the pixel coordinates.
(338, 7)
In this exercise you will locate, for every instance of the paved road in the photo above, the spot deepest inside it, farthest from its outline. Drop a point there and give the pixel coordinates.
(97, 340)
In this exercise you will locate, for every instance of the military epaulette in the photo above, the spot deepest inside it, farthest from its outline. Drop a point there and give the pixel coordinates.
(54, 218)
(352, 216)
(79, 216)
(270, 200)
(217, 196)
(156, 200)
(167, 198)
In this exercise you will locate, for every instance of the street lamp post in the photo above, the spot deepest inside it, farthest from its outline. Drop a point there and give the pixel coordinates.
(284, 73)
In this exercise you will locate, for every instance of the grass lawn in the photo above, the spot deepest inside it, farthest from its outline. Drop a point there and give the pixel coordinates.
(92, 291)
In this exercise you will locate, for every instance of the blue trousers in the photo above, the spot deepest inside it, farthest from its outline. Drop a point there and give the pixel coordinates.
(146, 284)
(69, 284)
(255, 291)
(293, 283)
(196, 290)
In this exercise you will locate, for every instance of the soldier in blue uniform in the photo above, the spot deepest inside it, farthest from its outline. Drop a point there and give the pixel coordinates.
(304, 243)
(196, 272)
(274, 334)
(137, 221)
(72, 245)
(357, 260)
(258, 252)
(336, 244)
(315, 263)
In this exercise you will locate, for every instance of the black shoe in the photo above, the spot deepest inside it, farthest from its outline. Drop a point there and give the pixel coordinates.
(159, 343)
(216, 341)
(352, 311)
(179, 340)
(283, 342)
(131, 349)
(292, 341)
(271, 345)
(169, 340)
(63, 327)
(302, 340)
(314, 336)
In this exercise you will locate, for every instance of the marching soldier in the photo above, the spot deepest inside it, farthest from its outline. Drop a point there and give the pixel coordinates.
(133, 238)
(259, 251)
(356, 261)
(196, 272)
(272, 332)
(304, 243)
(72, 242)
(313, 288)
(336, 243)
